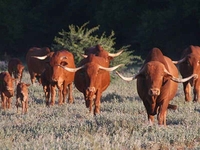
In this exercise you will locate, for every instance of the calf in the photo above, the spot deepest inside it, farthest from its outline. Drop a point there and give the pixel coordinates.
(22, 97)
(6, 89)
(16, 68)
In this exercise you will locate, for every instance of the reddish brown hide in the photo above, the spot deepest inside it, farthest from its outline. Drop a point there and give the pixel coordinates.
(36, 66)
(188, 65)
(157, 83)
(92, 80)
(6, 89)
(22, 97)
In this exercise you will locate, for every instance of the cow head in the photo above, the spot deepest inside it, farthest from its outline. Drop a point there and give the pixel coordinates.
(19, 71)
(91, 74)
(190, 64)
(99, 51)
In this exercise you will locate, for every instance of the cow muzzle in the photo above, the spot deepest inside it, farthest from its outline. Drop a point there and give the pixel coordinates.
(154, 92)
(90, 93)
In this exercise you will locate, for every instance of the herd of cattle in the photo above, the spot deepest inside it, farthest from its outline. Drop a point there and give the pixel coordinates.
(157, 80)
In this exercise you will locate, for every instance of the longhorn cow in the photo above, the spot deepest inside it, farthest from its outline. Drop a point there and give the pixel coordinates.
(157, 83)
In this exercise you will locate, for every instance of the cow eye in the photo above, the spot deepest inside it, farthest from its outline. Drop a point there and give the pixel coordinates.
(63, 63)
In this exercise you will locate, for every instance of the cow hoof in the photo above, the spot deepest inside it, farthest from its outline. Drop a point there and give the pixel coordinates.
(51, 104)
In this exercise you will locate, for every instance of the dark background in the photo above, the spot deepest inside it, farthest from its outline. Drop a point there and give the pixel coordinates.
(170, 25)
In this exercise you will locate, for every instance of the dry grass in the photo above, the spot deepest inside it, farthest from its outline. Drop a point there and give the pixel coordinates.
(122, 123)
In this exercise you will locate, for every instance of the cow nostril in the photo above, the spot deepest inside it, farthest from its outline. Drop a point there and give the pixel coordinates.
(154, 92)
(91, 89)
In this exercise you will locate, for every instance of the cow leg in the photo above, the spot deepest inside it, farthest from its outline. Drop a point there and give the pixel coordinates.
(23, 107)
(64, 92)
(149, 115)
(162, 114)
(97, 103)
(60, 94)
(53, 94)
(32, 76)
(26, 106)
(70, 95)
(9, 103)
(187, 91)
(46, 89)
(151, 119)
(3, 103)
(17, 104)
(196, 91)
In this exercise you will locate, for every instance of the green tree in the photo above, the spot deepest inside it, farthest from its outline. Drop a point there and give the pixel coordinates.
(78, 38)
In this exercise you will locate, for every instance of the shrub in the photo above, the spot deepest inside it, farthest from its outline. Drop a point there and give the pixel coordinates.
(78, 38)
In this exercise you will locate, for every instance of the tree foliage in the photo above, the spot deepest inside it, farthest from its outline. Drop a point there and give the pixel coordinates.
(78, 38)
(167, 24)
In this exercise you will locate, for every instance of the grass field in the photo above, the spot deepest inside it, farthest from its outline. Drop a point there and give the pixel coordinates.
(122, 124)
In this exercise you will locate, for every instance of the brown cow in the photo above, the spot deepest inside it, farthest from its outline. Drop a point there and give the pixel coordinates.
(190, 64)
(55, 76)
(6, 89)
(92, 79)
(99, 51)
(157, 84)
(36, 66)
(16, 68)
(22, 97)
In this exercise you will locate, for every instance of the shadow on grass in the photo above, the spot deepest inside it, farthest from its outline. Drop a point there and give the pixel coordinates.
(197, 109)
(118, 98)
(7, 113)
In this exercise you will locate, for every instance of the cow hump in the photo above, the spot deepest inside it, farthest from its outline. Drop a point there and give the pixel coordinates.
(156, 55)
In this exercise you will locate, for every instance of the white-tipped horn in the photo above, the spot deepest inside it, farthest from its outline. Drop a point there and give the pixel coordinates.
(124, 78)
(178, 80)
(179, 61)
(71, 69)
(116, 54)
(84, 56)
(111, 68)
(40, 57)
(63, 57)
(130, 78)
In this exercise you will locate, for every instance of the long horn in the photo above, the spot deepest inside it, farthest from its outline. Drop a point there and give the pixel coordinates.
(71, 69)
(84, 56)
(40, 57)
(116, 54)
(180, 61)
(125, 78)
(130, 78)
(110, 69)
(178, 80)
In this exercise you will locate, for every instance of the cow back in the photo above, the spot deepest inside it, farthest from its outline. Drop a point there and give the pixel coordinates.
(191, 50)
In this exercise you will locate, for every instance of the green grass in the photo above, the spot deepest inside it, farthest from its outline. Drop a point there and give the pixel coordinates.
(122, 123)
